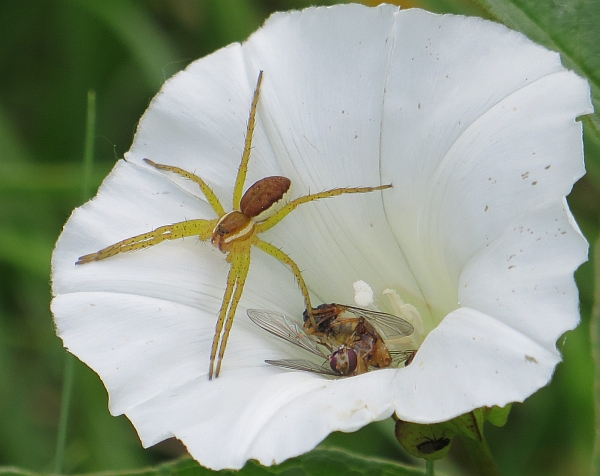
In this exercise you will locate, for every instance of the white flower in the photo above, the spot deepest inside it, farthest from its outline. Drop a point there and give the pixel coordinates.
(475, 127)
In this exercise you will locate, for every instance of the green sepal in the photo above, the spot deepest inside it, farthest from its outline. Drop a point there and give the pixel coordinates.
(429, 442)
(433, 441)
(469, 425)
(497, 416)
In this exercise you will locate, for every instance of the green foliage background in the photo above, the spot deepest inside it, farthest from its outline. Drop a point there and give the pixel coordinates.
(51, 53)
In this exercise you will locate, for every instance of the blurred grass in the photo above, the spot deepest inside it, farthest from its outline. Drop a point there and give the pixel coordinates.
(51, 54)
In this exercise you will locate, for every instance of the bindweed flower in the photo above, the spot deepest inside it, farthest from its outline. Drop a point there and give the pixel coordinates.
(473, 124)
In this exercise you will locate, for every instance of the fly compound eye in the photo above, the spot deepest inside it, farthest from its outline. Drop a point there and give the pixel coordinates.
(266, 197)
(343, 361)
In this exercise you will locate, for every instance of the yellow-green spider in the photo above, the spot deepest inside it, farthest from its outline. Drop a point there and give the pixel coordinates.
(234, 233)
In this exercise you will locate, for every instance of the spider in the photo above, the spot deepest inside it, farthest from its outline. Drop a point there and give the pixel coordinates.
(234, 233)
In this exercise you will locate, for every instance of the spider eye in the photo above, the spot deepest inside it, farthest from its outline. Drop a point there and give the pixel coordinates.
(266, 197)
(343, 361)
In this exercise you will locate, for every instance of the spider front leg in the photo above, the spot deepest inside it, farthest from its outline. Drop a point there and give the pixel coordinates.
(287, 209)
(243, 168)
(239, 258)
(206, 190)
(200, 228)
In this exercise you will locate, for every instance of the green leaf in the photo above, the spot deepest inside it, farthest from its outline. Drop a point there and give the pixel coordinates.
(9, 470)
(315, 463)
(334, 461)
(568, 26)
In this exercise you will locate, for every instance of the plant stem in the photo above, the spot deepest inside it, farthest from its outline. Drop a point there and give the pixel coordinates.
(69, 376)
(482, 456)
(595, 340)
(429, 467)
(88, 151)
(67, 390)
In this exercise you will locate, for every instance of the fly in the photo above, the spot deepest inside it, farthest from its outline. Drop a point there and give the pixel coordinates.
(347, 340)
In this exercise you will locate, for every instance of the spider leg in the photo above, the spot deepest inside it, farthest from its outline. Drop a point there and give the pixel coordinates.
(201, 228)
(243, 169)
(239, 257)
(286, 210)
(206, 190)
(284, 258)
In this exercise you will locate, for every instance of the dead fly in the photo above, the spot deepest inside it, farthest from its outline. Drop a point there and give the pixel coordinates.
(234, 233)
(336, 322)
(345, 346)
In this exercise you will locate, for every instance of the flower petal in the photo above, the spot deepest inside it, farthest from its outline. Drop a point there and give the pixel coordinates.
(133, 201)
(198, 122)
(152, 357)
(533, 301)
(276, 416)
(470, 360)
(326, 133)
(513, 279)
(485, 134)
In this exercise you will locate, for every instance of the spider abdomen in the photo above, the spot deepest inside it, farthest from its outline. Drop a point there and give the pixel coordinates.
(265, 197)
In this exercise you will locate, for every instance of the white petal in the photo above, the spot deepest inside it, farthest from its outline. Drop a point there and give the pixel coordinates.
(470, 360)
(325, 133)
(132, 201)
(264, 414)
(493, 361)
(514, 280)
(483, 135)
(198, 122)
(152, 358)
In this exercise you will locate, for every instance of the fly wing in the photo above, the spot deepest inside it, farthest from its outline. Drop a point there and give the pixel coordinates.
(284, 328)
(399, 356)
(303, 365)
(388, 325)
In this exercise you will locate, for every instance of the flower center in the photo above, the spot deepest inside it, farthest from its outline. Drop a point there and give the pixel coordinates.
(363, 296)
